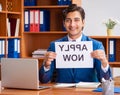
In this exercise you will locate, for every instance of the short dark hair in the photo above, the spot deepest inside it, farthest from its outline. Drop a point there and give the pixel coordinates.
(72, 8)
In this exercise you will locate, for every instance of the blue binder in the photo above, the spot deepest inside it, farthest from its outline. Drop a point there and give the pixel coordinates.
(29, 2)
(0, 49)
(60, 2)
(13, 48)
(69, 2)
(44, 20)
(18, 49)
(64, 2)
(27, 20)
(32, 2)
(3, 47)
(26, 2)
(112, 48)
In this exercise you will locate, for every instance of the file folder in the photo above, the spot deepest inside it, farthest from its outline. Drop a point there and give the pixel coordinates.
(2, 47)
(27, 20)
(44, 20)
(32, 2)
(60, 2)
(26, 2)
(112, 46)
(69, 2)
(32, 20)
(37, 20)
(13, 48)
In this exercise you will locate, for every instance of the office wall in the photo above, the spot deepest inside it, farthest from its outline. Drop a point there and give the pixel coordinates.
(96, 12)
(116, 72)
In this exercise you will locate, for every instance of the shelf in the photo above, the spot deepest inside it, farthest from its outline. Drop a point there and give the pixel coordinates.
(114, 64)
(14, 12)
(46, 32)
(106, 37)
(4, 37)
(10, 9)
(45, 7)
(12, 37)
(99, 37)
(3, 12)
(113, 37)
(9, 12)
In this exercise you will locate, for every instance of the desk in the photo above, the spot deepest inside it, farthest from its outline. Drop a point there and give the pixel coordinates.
(50, 91)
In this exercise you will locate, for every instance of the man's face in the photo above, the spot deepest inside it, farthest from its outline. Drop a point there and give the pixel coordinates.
(74, 24)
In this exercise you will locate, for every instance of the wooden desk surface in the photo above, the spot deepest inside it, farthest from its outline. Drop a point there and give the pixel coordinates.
(50, 91)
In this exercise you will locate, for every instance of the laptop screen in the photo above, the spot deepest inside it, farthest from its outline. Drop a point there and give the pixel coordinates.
(19, 73)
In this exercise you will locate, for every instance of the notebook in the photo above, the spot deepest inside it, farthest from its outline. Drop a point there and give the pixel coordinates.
(22, 73)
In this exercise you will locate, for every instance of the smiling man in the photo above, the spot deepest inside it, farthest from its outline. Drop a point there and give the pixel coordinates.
(74, 21)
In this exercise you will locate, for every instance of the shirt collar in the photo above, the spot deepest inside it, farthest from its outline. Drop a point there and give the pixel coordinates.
(77, 40)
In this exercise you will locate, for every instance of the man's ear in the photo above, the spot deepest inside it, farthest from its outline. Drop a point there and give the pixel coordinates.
(83, 22)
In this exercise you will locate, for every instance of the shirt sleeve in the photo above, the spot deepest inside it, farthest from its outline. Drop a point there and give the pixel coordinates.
(46, 69)
(105, 69)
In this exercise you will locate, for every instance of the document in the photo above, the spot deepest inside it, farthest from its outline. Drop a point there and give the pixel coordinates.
(91, 85)
(59, 85)
(88, 84)
(74, 54)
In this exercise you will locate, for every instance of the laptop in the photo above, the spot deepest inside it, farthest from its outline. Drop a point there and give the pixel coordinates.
(22, 73)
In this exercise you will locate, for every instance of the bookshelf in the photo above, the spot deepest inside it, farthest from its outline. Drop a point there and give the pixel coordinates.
(31, 41)
(11, 9)
(105, 40)
(35, 40)
(41, 40)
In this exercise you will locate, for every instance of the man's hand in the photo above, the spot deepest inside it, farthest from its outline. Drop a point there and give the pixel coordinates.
(100, 54)
(49, 56)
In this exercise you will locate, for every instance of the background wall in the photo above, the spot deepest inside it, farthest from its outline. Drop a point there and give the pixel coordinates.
(116, 72)
(96, 12)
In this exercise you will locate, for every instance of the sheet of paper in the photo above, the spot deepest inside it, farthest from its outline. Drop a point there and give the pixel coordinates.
(74, 54)
(60, 85)
(88, 84)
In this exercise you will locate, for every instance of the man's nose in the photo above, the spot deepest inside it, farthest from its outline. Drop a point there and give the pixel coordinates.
(72, 23)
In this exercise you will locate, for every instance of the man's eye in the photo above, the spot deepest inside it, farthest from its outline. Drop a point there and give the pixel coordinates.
(76, 20)
(67, 20)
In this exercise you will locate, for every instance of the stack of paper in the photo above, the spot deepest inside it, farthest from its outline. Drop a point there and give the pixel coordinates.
(39, 53)
(88, 84)
(79, 85)
(59, 85)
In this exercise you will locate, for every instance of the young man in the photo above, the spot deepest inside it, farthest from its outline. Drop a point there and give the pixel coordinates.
(74, 21)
